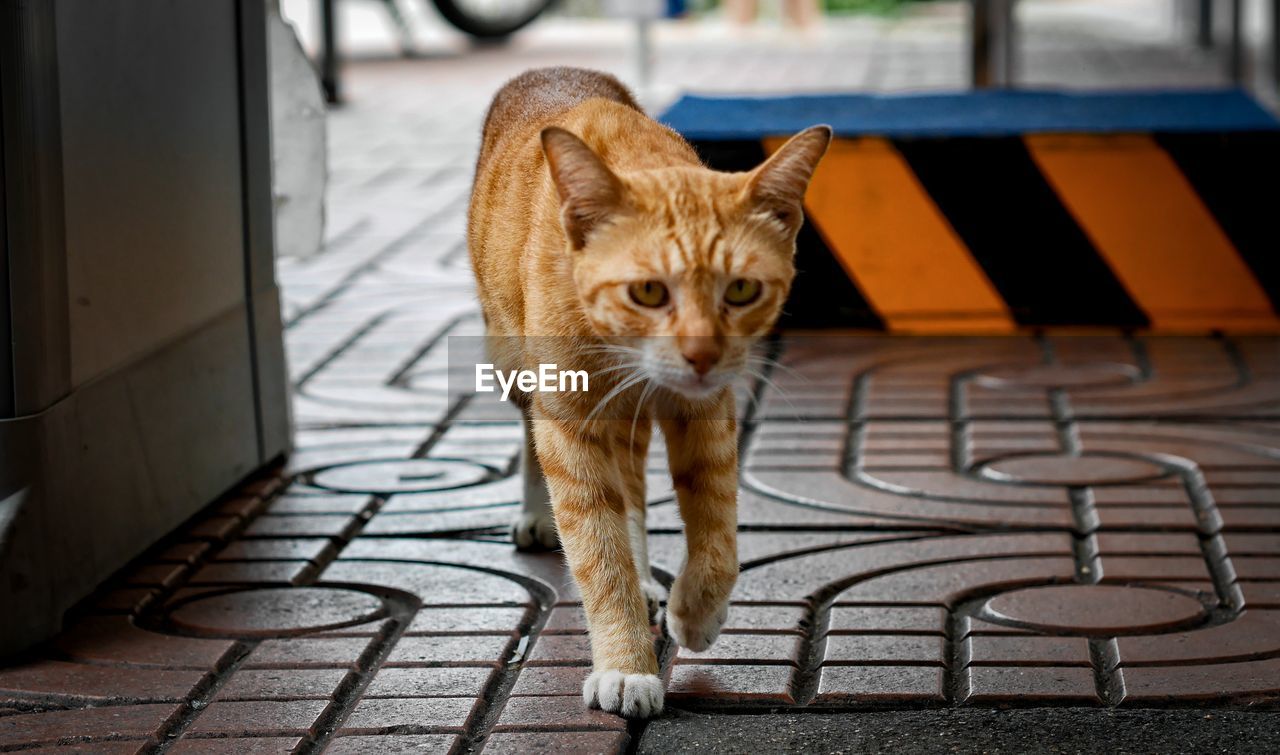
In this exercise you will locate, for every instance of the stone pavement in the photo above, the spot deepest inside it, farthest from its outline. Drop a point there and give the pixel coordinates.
(1084, 529)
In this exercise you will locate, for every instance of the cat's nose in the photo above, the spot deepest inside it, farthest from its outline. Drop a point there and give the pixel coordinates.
(701, 353)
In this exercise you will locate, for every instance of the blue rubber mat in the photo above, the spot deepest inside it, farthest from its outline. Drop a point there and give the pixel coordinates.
(983, 113)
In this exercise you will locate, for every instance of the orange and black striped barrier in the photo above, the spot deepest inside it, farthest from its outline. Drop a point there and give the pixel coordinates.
(987, 214)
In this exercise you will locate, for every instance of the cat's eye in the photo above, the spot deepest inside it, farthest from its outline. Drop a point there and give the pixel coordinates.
(649, 293)
(742, 291)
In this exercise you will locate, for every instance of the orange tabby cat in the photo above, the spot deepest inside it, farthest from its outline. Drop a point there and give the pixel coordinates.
(600, 241)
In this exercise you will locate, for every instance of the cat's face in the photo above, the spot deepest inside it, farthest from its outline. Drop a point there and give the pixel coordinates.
(686, 266)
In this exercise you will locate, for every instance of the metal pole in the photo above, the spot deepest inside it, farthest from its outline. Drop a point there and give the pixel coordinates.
(329, 52)
(1275, 46)
(1236, 54)
(1004, 43)
(1204, 23)
(980, 43)
(644, 52)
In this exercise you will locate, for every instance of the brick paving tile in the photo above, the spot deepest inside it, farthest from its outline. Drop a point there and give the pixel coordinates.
(242, 506)
(900, 619)
(1255, 567)
(1012, 684)
(276, 549)
(1238, 682)
(308, 652)
(979, 627)
(235, 745)
(216, 528)
(409, 715)
(495, 620)
(318, 504)
(747, 648)
(295, 525)
(1129, 568)
(880, 684)
(434, 585)
(275, 610)
(440, 682)
(561, 650)
(274, 684)
(95, 748)
(1029, 651)
(1254, 633)
(445, 649)
(288, 717)
(98, 683)
(565, 742)
(184, 553)
(397, 744)
(748, 618)
(550, 680)
(240, 572)
(732, 683)
(157, 575)
(115, 639)
(1261, 594)
(566, 620)
(124, 600)
(543, 713)
(1098, 609)
(894, 648)
(109, 722)
(1158, 543)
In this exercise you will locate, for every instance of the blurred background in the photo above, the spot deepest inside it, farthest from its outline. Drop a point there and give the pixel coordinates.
(874, 45)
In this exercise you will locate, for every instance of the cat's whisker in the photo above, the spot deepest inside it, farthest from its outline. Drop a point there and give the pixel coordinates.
(604, 348)
(631, 445)
(773, 387)
(622, 385)
(616, 367)
(775, 364)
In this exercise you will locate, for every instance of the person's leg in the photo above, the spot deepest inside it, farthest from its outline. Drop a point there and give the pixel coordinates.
(741, 12)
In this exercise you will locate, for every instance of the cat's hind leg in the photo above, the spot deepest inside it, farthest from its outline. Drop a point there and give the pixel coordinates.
(535, 527)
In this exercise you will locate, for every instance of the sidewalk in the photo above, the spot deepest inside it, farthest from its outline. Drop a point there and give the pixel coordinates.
(974, 544)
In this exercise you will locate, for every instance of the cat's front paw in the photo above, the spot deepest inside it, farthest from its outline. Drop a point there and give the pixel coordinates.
(534, 532)
(630, 695)
(696, 630)
(654, 594)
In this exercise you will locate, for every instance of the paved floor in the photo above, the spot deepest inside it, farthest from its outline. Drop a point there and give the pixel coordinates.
(1068, 526)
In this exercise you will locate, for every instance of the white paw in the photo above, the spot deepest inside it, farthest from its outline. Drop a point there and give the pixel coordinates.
(630, 695)
(534, 532)
(654, 594)
(697, 635)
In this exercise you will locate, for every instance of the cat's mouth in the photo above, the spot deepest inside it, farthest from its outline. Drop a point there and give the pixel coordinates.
(697, 387)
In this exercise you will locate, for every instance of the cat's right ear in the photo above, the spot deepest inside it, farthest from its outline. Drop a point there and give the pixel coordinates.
(589, 191)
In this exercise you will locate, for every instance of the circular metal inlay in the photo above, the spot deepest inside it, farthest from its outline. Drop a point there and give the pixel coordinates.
(1057, 469)
(400, 476)
(1042, 376)
(1100, 610)
(276, 611)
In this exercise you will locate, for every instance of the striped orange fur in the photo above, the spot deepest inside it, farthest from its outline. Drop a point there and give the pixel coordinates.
(599, 240)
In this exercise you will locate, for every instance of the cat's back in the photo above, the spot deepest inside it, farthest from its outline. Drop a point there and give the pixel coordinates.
(514, 210)
(538, 96)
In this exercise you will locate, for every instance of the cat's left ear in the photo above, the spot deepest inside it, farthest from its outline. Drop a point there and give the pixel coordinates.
(589, 191)
(778, 186)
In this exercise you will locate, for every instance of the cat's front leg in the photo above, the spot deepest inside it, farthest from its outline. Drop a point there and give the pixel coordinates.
(703, 456)
(579, 461)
